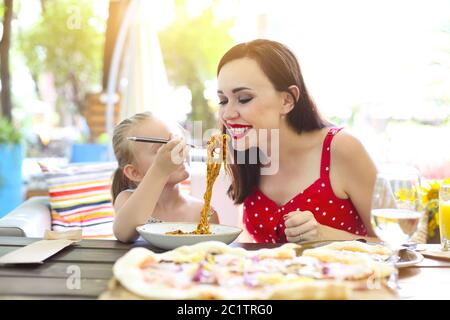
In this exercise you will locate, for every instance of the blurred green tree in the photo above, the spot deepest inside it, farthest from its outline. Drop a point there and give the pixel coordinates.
(67, 42)
(192, 48)
(6, 11)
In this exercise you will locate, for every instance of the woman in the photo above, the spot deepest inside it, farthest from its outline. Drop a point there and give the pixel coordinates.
(323, 186)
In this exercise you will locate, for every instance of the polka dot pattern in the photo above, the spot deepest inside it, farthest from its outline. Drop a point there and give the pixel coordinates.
(263, 218)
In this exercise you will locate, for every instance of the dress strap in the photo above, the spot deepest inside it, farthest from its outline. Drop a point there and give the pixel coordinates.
(325, 162)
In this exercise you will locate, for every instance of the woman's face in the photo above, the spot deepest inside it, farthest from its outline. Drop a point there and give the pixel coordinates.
(249, 103)
(145, 153)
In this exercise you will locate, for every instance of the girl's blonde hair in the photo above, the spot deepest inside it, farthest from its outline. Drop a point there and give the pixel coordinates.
(124, 153)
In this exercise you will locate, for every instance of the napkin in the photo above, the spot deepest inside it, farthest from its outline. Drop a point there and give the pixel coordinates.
(40, 250)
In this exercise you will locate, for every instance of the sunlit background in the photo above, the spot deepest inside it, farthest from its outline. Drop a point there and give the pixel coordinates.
(379, 68)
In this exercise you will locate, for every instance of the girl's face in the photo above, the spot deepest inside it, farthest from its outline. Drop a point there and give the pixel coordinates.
(145, 153)
(249, 103)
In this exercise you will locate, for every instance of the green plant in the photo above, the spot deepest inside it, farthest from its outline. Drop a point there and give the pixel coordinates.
(67, 42)
(192, 48)
(8, 133)
(6, 11)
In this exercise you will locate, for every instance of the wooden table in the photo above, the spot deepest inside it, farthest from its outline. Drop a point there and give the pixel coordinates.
(93, 260)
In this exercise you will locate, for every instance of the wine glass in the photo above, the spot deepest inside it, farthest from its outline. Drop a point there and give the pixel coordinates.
(396, 208)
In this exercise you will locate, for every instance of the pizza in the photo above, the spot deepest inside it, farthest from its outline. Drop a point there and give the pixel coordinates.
(214, 270)
(376, 251)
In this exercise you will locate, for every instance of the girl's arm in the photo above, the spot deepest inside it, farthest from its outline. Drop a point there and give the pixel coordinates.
(135, 209)
(214, 216)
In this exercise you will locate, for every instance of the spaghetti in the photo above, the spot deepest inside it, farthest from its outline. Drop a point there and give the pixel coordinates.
(218, 141)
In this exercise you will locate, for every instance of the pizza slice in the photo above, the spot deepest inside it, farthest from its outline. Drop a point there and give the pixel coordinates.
(358, 246)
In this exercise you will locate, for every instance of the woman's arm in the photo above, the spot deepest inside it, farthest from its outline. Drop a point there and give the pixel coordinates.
(302, 226)
(356, 173)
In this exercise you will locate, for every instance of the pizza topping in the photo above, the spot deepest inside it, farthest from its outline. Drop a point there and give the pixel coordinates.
(344, 272)
(325, 270)
(148, 262)
(210, 257)
(225, 259)
(202, 275)
(270, 278)
(250, 280)
(170, 267)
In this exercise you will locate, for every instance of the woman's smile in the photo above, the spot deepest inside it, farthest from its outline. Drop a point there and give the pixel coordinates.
(238, 131)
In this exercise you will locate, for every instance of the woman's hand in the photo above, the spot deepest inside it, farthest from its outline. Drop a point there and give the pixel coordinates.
(301, 226)
(171, 155)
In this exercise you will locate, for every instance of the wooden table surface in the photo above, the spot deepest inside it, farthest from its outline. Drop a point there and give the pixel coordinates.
(94, 259)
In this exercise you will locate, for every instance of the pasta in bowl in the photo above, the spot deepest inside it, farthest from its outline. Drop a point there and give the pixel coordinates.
(161, 234)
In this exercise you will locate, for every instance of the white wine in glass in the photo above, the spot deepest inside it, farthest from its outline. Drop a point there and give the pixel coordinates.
(396, 206)
(395, 226)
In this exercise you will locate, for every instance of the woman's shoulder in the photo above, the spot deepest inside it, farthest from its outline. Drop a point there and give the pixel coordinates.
(345, 145)
(349, 155)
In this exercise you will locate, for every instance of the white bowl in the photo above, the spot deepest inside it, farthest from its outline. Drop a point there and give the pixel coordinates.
(155, 234)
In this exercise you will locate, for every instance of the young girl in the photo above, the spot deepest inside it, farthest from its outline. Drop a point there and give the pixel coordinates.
(146, 183)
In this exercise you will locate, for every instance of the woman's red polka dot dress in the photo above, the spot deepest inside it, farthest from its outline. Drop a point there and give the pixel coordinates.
(263, 218)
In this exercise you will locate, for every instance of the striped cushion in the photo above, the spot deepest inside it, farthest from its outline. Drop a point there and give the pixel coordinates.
(80, 197)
